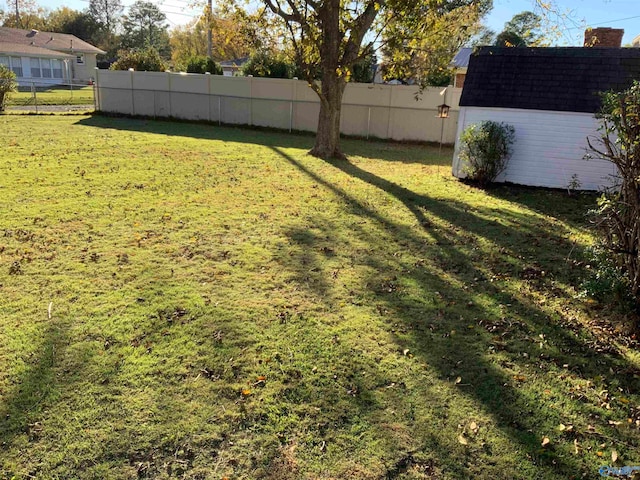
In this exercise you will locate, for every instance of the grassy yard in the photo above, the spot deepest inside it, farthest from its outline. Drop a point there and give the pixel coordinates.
(188, 301)
(79, 95)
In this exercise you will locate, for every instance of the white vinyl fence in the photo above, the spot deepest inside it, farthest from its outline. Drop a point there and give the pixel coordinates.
(369, 110)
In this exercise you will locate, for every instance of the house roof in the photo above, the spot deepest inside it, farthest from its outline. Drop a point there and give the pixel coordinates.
(236, 62)
(557, 79)
(61, 42)
(461, 60)
(18, 49)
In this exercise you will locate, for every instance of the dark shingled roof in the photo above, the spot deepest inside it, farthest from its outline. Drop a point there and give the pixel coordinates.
(564, 79)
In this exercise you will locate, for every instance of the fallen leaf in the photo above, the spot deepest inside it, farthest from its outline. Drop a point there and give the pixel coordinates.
(614, 456)
(599, 453)
(261, 378)
(462, 440)
(473, 426)
(545, 441)
(246, 392)
(576, 447)
(458, 380)
(405, 351)
(612, 422)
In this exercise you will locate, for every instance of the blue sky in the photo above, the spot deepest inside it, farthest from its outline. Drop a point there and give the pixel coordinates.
(581, 13)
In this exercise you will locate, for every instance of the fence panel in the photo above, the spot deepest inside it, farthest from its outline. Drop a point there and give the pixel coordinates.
(383, 111)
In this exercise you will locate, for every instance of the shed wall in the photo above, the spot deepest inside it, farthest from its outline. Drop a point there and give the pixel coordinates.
(549, 147)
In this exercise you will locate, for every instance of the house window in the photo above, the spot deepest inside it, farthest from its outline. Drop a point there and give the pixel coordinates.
(16, 66)
(57, 68)
(80, 59)
(35, 67)
(4, 61)
(45, 63)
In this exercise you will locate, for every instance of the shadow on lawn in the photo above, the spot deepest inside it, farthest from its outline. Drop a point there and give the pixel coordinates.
(513, 333)
(382, 150)
(21, 410)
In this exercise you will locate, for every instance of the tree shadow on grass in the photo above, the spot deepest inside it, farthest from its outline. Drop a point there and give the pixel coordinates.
(22, 409)
(381, 150)
(499, 331)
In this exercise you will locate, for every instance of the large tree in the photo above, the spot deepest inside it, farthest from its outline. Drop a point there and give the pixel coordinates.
(24, 14)
(144, 27)
(330, 36)
(234, 36)
(106, 14)
(422, 48)
(74, 22)
(523, 30)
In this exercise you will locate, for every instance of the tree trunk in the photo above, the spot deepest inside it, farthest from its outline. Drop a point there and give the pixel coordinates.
(328, 137)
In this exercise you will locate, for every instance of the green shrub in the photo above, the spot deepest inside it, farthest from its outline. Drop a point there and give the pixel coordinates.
(485, 150)
(147, 60)
(617, 219)
(8, 84)
(202, 64)
(606, 282)
(263, 64)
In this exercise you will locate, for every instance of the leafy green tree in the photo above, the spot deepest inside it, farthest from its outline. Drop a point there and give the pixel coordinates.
(617, 219)
(330, 36)
(8, 84)
(362, 71)
(144, 27)
(232, 38)
(106, 14)
(509, 39)
(74, 22)
(202, 64)
(523, 30)
(422, 45)
(24, 14)
(147, 59)
(265, 64)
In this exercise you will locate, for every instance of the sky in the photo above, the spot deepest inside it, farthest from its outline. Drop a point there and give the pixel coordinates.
(578, 14)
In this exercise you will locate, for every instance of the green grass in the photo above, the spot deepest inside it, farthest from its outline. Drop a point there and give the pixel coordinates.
(225, 306)
(79, 95)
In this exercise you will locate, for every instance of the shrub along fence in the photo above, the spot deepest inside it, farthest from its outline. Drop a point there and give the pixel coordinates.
(369, 110)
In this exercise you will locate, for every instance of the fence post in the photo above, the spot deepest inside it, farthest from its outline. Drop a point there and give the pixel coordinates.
(96, 92)
(169, 80)
(133, 102)
(208, 95)
(219, 110)
(35, 97)
(368, 122)
(250, 100)
(389, 112)
(293, 99)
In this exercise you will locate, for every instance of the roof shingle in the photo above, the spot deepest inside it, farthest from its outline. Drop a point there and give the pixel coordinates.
(565, 79)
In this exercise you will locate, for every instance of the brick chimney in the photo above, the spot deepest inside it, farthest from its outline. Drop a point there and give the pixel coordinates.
(603, 37)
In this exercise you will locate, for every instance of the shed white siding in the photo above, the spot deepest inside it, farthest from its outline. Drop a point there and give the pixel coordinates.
(549, 147)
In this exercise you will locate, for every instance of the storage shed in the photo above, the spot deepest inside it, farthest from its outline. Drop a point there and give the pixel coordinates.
(550, 96)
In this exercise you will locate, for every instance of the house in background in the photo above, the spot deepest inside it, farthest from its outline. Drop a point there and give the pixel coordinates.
(550, 96)
(460, 63)
(233, 68)
(47, 58)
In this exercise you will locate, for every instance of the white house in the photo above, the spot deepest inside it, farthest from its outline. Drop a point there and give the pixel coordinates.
(47, 58)
(550, 96)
